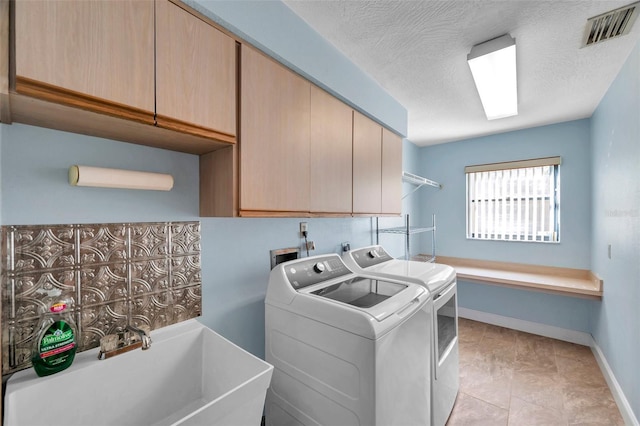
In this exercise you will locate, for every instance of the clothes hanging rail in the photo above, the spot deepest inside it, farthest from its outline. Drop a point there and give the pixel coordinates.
(419, 181)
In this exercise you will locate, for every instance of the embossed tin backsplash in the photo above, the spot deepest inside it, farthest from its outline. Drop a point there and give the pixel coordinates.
(115, 274)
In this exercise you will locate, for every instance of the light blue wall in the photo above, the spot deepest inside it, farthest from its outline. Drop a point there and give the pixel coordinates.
(35, 187)
(235, 252)
(445, 163)
(411, 164)
(559, 311)
(275, 29)
(615, 128)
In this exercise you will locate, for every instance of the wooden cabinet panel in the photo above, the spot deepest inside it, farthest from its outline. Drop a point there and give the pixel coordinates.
(91, 54)
(219, 183)
(274, 136)
(4, 64)
(367, 165)
(331, 154)
(196, 74)
(391, 172)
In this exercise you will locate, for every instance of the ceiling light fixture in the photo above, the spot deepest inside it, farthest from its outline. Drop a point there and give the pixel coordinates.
(493, 65)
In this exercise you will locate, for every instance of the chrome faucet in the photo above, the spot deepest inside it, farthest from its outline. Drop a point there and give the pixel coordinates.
(129, 339)
(144, 334)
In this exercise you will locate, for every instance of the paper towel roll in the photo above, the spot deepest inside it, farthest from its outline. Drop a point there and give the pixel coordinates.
(118, 178)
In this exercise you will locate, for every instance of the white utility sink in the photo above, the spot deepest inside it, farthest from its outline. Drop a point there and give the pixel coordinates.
(189, 376)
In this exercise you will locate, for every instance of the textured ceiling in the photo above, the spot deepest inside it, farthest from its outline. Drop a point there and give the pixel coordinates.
(417, 50)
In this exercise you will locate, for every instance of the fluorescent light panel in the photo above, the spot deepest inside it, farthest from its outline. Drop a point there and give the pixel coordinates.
(493, 65)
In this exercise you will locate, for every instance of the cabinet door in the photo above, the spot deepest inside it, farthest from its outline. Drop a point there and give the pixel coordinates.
(195, 75)
(4, 64)
(367, 165)
(274, 136)
(331, 154)
(391, 172)
(97, 55)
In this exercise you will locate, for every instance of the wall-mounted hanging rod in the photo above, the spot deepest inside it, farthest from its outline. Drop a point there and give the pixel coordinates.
(419, 181)
(117, 178)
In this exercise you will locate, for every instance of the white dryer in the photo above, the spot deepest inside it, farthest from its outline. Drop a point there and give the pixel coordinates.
(440, 280)
(346, 349)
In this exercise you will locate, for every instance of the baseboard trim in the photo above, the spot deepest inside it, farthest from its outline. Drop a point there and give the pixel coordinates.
(623, 404)
(573, 336)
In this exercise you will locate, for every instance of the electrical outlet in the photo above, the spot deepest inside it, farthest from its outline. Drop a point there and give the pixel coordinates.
(609, 251)
(346, 246)
(304, 227)
(311, 245)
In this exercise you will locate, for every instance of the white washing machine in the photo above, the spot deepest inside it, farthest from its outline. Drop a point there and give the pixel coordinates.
(441, 282)
(346, 349)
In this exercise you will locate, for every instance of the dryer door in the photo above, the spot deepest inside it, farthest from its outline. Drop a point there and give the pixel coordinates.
(446, 317)
(445, 372)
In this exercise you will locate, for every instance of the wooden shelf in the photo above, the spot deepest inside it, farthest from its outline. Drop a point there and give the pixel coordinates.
(549, 279)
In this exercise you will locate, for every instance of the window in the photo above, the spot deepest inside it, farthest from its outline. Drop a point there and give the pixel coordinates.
(515, 201)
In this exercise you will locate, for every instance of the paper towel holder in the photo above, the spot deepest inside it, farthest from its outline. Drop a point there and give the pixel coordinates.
(119, 178)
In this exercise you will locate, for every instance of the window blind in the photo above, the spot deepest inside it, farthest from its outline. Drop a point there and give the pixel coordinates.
(514, 201)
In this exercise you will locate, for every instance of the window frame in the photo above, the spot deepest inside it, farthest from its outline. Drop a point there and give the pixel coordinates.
(554, 162)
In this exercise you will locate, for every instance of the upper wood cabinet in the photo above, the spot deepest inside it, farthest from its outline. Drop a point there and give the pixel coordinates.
(367, 165)
(331, 154)
(195, 74)
(4, 63)
(153, 73)
(159, 73)
(377, 168)
(274, 136)
(391, 173)
(96, 55)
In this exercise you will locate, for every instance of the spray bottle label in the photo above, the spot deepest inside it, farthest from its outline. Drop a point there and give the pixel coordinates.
(56, 343)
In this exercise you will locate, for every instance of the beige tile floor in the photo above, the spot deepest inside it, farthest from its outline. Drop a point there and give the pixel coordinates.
(508, 377)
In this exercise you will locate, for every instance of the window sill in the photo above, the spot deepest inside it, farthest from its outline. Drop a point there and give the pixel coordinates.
(548, 279)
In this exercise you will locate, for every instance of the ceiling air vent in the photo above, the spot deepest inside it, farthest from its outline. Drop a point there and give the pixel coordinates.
(609, 25)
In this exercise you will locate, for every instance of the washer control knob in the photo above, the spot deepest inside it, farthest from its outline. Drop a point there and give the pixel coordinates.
(372, 254)
(319, 267)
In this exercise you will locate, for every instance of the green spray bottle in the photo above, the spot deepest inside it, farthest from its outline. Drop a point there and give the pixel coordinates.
(55, 344)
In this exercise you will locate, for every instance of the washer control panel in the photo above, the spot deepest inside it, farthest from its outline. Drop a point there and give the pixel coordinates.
(304, 273)
(370, 256)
